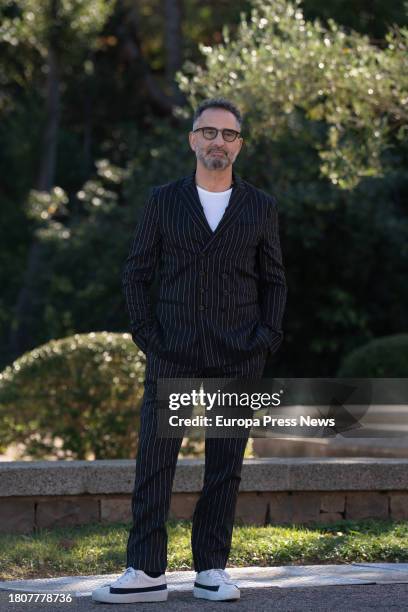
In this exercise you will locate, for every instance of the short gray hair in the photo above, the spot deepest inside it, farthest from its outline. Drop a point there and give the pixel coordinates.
(218, 103)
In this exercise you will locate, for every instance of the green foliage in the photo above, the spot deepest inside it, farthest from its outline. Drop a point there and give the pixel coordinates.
(385, 357)
(346, 259)
(87, 238)
(281, 67)
(76, 398)
(326, 115)
(343, 218)
(65, 22)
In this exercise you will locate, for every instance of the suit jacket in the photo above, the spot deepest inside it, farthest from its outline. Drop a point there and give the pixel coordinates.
(222, 293)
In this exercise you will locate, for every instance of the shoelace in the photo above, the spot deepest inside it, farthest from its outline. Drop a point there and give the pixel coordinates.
(225, 577)
(130, 573)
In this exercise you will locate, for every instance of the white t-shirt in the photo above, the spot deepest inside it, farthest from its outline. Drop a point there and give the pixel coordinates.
(214, 204)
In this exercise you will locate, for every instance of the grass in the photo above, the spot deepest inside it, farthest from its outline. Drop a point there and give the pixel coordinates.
(101, 549)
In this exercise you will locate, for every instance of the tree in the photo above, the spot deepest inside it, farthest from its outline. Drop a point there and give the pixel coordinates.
(59, 34)
(280, 65)
(324, 126)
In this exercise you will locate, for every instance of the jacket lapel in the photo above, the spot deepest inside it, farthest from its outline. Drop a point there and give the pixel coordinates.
(191, 200)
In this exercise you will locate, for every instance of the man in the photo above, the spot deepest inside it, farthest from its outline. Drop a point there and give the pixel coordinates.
(219, 313)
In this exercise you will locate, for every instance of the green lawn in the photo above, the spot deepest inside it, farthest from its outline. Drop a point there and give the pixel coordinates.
(101, 549)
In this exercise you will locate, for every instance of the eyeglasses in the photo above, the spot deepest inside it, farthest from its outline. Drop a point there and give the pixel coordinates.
(210, 133)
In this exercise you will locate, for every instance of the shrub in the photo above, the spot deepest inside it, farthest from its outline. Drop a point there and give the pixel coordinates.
(74, 398)
(385, 357)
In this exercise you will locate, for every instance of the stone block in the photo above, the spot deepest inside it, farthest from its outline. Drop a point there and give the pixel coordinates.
(366, 504)
(182, 505)
(305, 506)
(251, 508)
(399, 506)
(116, 509)
(280, 507)
(16, 515)
(294, 507)
(332, 502)
(66, 511)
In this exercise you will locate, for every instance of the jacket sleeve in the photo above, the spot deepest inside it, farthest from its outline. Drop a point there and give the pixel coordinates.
(272, 288)
(138, 272)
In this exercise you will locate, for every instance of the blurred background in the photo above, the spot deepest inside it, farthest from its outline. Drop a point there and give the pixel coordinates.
(96, 100)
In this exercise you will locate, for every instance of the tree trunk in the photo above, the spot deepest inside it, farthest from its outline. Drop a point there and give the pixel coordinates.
(132, 50)
(46, 174)
(88, 123)
(21, 336)
(173, 45)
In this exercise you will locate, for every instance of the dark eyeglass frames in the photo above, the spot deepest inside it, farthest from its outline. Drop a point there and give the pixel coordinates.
(210, 133)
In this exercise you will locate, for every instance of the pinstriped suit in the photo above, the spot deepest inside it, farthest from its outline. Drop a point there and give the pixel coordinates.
(219, 313)
(222, 293)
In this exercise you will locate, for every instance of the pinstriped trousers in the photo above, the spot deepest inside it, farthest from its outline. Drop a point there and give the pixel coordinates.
(156, 460)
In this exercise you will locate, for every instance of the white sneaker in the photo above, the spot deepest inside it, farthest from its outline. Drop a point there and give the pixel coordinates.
(134, 585)
(215, 584)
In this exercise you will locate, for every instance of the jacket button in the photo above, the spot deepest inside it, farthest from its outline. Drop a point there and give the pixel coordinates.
(202, 290)
(226, 292)
(201, 307)
(224, 275)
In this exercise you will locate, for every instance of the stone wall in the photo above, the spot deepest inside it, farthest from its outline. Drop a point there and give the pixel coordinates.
(43, 494)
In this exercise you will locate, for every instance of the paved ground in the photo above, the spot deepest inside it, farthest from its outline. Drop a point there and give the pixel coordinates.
(344, 588)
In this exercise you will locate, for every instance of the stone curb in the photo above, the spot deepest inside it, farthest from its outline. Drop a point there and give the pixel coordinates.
(27, 478)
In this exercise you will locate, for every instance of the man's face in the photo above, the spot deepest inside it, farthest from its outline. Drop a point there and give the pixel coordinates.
(216, 154)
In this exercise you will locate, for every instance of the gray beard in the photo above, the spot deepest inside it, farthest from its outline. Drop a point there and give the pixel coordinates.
(214, 163)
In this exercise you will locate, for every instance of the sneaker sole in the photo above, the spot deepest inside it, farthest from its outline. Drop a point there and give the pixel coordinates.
(104, 595)
(214, 595)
